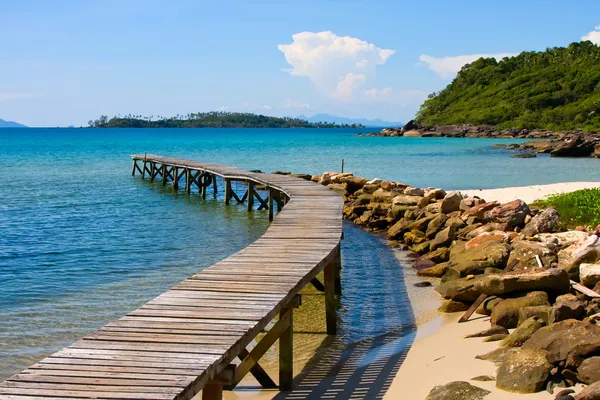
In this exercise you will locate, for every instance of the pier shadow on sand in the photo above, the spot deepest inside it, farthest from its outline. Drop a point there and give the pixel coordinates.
(377, 327)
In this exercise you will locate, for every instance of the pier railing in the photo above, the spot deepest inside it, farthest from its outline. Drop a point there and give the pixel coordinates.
(187, 339)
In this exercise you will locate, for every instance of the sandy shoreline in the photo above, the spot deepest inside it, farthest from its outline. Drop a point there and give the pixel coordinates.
(528, 193)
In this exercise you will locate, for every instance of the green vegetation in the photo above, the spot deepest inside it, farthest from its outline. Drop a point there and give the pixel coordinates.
(214, 119)
(557, 89)
(581, 207)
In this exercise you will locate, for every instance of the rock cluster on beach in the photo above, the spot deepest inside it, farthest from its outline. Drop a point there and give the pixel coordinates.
(548, 332)
(557, 144)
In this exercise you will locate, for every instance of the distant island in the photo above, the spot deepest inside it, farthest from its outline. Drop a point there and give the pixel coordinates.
(367, 123)
(557, 89)
(10, 124)
(214, 119)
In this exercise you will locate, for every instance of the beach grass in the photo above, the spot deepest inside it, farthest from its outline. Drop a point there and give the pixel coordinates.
(581, 207)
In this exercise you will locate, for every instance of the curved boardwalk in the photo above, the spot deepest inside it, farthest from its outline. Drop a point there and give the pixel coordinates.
(186, 339)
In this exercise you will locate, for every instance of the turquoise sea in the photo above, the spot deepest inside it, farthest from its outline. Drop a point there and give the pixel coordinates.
(82, 242)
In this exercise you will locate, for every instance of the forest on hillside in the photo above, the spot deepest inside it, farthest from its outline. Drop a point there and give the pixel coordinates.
(213, 119)
(556, 89)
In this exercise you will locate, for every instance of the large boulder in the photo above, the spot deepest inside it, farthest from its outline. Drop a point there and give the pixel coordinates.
(353, 183)
(589, 370)
(492, 236)
(470, 202)
(550, 280)
(524, 371)
(435, 225)
(404, 200)
(451, 202)
(422, 223)
(462, 289)
(589, 274)
(586, 251)
(398, 230)
(412, 133)
(570, 338)
(567, 306)
(463, 261)
(510, 214)
(574, 147)
(541, 223)
(543, 313)
(480, 210)
(326, 177)
(591, 392)
(524, 252)
(383, 196)
(506, 312)
(457, 391)
(413, 191)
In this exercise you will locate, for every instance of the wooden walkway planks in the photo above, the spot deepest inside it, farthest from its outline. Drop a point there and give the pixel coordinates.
(187, 337)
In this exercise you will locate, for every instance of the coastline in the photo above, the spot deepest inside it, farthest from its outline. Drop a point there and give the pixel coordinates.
(528, 193)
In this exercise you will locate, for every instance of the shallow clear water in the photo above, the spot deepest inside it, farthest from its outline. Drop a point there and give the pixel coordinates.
(82, 242)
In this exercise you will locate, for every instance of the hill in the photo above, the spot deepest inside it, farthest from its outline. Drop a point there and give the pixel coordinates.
(10, 124)
(557, 89)
(368, 123)
(212, 119)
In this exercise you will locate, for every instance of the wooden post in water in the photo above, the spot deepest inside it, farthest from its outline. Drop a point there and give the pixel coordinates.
(202, 186)
(250, 195)
(175, 178)
(330, 294)
(342, 165)
(271, 204)
(215, 188)
(134, 165)
(152, 169)
(144, 170)
(227, 191)
(286, 351)
(164, 174)
(188, 180)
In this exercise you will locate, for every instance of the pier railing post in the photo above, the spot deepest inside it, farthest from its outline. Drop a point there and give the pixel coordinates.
(271, 204)
(215, 187)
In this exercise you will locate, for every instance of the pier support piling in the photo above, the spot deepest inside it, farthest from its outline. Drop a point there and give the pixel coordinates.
(332, 289)
(286, 351)
(215, 187)
(250, 195)
(227, 191)
(271, 204)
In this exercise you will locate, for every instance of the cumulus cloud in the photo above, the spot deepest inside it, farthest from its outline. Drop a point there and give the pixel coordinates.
(375, 94)
(17, 96)
(447, 67)
(294, 104)
(338, 65)
(593, 36)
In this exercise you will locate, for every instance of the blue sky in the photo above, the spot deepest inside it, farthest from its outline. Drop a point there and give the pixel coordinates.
(66, 62)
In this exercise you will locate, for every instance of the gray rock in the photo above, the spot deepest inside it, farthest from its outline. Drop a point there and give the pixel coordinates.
(589, 370)
(589, 274)
(591, 392)
(458, 390)
(541, 223)
(552, 280)
(510, 214)
(451, 202)
(566, 307)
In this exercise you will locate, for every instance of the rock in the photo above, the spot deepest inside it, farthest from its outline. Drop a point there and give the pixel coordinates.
(544, 313)
(460, 289)
(435, 193)
(370, 188)
(480, 210)
(575, 147)
(587, 251)
(353, 183)
(524, 155)
(524, 371)
(493, 236)
(470, 202)
(398, 230)
(412, 133)
(410, 125)
(511, 214)
(405, 200)
(493, 330)
(564, 339)
(458, 390)
(475, 260)
(399, 211)
(389, 185)
(506, 312)
(414, 237)
(436, 271)
(523, 332)
(564, 238)
(326, 177)
(496, 337)
(383, 196)
(589, 274)
(451, 202)
(484, 378)
(451, 306)
(421, 248)
(306, 177)
(363, 199)
(375, 181)
(589, 370)
(412, 191)
(552, 280)
(524, 252)
(422, 223)
(591, 392)
(497, 356)
(422, 284)
(488, 305)
(446, 236)
(473, 233)
(435, 225)
(439, 255)
(541, 223)
(566, 307)
(338, 188)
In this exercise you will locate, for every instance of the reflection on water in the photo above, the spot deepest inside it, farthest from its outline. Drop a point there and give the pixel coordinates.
(377, 327)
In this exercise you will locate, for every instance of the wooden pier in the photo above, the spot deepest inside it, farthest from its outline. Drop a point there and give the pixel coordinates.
(196, 336)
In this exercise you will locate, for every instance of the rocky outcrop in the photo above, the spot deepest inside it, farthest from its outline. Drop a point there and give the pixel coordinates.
(543, 222)
(551, 280)
(506, 312)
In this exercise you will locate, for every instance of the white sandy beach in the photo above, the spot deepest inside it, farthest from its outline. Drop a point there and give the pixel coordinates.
(529, 193)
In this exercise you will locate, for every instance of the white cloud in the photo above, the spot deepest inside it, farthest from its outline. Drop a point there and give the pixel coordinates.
(17, 96)
(338, 65)
(447, 67)
(398, 98)
(593, 36)
(294, 104)
(222, 108)
(375, 94)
